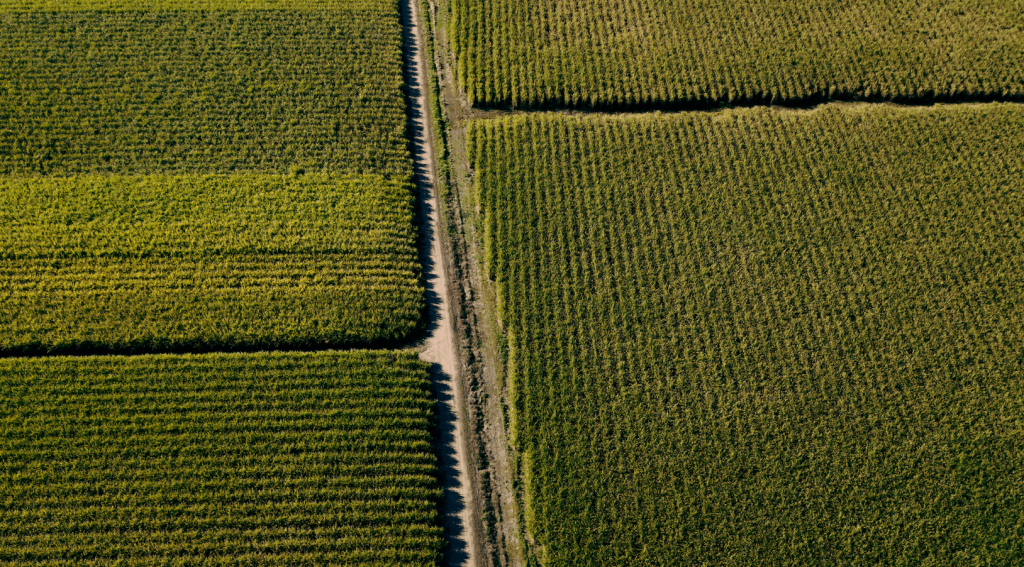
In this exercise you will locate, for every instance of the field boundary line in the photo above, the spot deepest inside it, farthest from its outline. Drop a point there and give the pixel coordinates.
(460, 515)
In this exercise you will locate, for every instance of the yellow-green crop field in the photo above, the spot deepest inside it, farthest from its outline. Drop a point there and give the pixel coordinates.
(194, 176)
(764, 336)
(614, 54)
(219, 459)
(108, 263)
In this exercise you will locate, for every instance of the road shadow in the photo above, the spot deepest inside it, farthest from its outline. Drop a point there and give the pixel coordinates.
(456, 553)
(419, 149)
(456, 535)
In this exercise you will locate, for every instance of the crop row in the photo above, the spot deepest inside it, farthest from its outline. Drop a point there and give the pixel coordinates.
(764, 336)
(202, 92)
(105, 263)
(178, 179)
(262, 459)
(680, 53)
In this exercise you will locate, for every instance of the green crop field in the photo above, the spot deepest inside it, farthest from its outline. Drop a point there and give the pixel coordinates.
(253, 459)
(184, 176)
(211, 175)
(677, 53)
(764, 337)
(151, 263)
(202, 92)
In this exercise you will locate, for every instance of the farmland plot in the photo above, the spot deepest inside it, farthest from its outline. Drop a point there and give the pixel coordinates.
(202, 92)
(108, 263)
(764, 337)
(205, 179)
(256, 459)
(677, 53)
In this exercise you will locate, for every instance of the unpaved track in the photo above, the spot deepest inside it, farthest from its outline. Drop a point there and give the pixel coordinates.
(439, 347)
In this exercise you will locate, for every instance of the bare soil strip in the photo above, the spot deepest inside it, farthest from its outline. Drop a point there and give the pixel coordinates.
(495, 485)
(439, 346)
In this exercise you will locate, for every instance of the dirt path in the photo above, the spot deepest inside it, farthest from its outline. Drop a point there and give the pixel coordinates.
(439, 347)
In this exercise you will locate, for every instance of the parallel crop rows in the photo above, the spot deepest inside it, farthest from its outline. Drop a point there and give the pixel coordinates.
(205, 263)
(763, 336)
(678, 53)
(274, 459)
(223, 178)
(145, 92)
(190, 5)
(183, 176)
(115, 216)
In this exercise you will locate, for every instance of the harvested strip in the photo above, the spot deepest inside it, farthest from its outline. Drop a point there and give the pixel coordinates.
(119, 507)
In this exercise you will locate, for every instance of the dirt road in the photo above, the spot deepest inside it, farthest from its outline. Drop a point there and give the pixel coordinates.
(439, 347)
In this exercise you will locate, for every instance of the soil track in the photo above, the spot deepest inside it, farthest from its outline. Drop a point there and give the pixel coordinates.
(439, 347)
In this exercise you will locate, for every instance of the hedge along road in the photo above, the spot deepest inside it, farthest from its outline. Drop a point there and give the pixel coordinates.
(439, 349)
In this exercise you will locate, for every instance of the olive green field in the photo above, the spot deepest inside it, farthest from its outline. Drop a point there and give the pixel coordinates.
(644, 55)
(763, 336)
(218, 459)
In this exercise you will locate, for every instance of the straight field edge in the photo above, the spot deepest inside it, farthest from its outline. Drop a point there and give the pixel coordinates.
(483, 345)
(422, 13)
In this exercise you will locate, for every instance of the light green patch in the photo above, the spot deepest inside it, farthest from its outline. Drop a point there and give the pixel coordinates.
(141, 263)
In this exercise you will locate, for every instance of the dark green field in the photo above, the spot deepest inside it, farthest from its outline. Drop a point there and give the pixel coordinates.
(613, 54)
(190, 5)
(261, 459)
(202, 92)
(764, 337)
